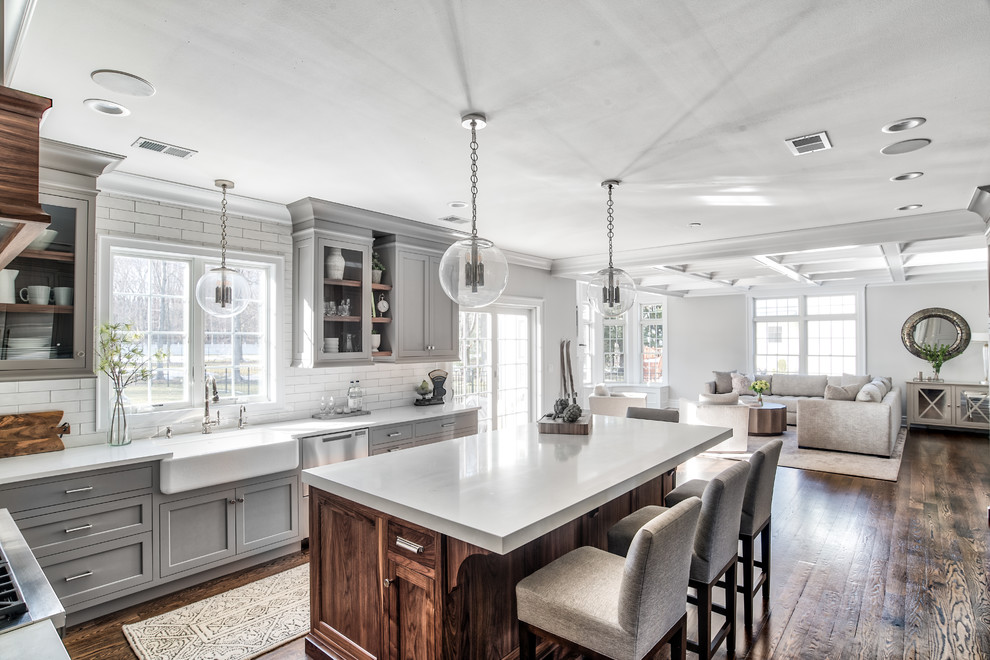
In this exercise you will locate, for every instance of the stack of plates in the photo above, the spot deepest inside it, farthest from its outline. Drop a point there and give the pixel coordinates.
(28, 348)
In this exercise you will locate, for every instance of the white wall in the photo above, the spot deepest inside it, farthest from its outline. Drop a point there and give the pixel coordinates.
(887, 307)
(704, 334)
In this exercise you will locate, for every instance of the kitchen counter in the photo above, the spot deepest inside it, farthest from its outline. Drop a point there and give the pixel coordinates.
(502, 489)
(93, 457)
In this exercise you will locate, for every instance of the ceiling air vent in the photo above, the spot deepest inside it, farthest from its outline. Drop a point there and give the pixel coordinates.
(807, 144)
(454, 220)
(163, 148)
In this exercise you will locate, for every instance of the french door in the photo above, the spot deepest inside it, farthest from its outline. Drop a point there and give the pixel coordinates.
(497, 352)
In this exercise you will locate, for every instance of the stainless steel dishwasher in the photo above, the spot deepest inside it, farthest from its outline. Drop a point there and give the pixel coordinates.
(325, 449)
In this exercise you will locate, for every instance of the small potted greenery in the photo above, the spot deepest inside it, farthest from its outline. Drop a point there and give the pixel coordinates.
(121, 357)
(377, 268)
(759, 386)
(936, 354)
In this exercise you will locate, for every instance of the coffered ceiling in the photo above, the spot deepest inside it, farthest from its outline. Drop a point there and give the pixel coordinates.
(688, 103)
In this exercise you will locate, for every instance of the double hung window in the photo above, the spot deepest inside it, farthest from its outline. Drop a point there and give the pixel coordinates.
(627, 350)
(808, 334)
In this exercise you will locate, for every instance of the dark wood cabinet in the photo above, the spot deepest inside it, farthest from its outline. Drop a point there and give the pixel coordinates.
(410, 612)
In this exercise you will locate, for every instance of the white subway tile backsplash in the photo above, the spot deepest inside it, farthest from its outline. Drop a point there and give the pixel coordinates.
(46, 385)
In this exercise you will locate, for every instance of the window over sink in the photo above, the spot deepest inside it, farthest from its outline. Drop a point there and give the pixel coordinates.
(152, 288)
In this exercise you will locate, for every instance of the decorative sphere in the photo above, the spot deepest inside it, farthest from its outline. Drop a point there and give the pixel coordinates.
(210, 292)
(621, 282)
(454, 273)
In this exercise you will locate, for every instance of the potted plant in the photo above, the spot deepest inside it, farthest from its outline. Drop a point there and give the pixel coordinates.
(121, 358)
(377, 268)
(376, 340)
(936, 354)
(759, 386)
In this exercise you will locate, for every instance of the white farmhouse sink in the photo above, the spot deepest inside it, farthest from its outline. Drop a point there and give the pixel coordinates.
(218, 458)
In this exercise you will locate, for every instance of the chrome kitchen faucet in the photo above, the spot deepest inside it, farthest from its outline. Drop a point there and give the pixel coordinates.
(208, 424)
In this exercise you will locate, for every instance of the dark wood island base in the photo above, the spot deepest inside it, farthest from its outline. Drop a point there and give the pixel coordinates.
(386, 588)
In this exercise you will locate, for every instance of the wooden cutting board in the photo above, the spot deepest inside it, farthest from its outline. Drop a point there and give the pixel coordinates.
(30, 433)
(581, 427)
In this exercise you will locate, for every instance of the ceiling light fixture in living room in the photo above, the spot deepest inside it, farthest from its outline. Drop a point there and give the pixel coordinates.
(473, 272)
(611, 291)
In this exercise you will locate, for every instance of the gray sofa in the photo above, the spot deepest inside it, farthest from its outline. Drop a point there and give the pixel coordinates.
(863, 427)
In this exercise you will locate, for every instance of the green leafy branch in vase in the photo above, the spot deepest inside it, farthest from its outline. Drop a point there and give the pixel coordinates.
(936, 354)
(120, 355)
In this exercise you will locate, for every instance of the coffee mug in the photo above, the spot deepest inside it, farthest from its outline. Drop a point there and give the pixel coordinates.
(62, 295)
(36, 295)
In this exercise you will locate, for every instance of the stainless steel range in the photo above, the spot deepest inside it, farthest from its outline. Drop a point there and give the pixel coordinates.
(25, 595)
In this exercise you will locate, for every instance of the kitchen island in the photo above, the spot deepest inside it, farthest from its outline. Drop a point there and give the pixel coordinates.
(416, 554)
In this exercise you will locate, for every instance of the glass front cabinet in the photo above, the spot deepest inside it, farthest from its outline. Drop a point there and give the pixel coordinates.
(46, 293)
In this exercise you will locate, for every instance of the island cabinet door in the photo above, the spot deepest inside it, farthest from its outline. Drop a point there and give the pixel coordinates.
(346, 598)
(410, 601)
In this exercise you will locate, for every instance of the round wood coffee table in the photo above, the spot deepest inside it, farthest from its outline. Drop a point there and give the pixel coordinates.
(768, 419)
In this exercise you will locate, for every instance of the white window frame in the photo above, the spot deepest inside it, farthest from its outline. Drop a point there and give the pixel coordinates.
(802, 318)
(633, 337)
(108, 245)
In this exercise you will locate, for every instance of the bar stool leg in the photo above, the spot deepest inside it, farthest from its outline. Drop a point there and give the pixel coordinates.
(527, 643)
(765, 551)
(748, 543)
(730, 609)
(678, 643)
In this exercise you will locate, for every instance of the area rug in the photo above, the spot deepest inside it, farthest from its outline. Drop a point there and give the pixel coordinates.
(822, 460)
(238, 624)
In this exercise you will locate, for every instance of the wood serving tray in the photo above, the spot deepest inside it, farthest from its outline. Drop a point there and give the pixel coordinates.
(580, 427)
(30, 433)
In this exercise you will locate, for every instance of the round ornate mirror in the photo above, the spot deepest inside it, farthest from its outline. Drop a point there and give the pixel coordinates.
(933, 326)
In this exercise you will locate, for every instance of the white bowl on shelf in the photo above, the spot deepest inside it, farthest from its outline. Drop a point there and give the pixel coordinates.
(28, 342)
(44, 239)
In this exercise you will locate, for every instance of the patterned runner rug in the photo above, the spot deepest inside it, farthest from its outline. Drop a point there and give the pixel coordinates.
(238, 624)
(821, 460)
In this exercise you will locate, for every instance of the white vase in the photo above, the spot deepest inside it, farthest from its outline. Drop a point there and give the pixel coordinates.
(376, 342)
(7, 289)
(335, 264)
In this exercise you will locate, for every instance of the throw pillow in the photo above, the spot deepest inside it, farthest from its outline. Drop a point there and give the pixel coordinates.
(870, 392)
(881, 385)
(723, 399)
(601, 390)
(886, 381)
(842, 392)
(858, 381)
(741, 383)
(723, 381)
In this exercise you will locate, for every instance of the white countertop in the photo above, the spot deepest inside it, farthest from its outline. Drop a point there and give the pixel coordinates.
(94, 457)
(502, 489)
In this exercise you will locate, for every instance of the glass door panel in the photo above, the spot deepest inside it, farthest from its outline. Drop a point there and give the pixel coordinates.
(346, 302)
(514, 379)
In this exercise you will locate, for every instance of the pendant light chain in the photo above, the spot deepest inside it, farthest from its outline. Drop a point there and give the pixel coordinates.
(474, 179)
(223, 228)
(611, 224)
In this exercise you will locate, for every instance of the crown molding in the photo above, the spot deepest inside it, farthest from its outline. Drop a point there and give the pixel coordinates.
(71, 158)
(924, 226)
(527, 260)
(136, 186)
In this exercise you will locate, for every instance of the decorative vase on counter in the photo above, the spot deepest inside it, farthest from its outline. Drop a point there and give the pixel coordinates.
(119, 434)
(335, 264)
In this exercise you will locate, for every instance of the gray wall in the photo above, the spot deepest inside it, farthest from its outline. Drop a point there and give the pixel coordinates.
(704, 334)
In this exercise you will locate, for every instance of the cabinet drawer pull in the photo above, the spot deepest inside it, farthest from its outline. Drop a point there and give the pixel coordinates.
(394, 434)
(78, 490)
(394, 449)
(78, 529)
(406, 544)
(448, 424)
(81, 575)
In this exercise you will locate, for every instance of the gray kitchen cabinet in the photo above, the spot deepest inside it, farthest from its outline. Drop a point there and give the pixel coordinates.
(216, 526)
(395, 437)
(425, 320)
(79, 576)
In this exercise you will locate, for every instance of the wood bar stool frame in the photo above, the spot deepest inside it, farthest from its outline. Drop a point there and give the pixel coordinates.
(751, 587)
(726, 579)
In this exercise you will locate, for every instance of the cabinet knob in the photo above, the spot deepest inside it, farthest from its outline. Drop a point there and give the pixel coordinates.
(80, 353)
(231, 501)
(387, 582)
(240, 499)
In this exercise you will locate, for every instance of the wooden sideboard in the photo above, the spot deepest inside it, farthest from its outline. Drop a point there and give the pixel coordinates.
(948, 404)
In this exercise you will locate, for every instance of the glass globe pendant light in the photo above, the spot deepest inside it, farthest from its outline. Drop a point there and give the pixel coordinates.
(223, 291)
(611, 291)
(473, 272)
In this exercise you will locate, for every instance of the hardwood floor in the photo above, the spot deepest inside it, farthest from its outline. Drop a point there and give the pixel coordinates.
(862, 568)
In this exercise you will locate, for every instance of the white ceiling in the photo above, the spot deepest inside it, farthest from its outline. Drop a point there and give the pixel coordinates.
(687, 103)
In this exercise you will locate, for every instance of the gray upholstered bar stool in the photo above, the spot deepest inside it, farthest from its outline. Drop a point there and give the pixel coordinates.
(606, 607)
(755, 521)
(655, 414)
(713, 561)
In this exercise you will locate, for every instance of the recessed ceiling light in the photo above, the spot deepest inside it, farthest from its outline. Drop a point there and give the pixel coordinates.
(107, 107)
(904, 124)
(909, 207)
(694, 225)
(122, 82)
(906, 176)
(905, 146)
(457, 205)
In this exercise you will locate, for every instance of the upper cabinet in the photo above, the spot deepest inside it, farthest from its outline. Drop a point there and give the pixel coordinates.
(47, 289)
(425, 322)
(342, 314)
